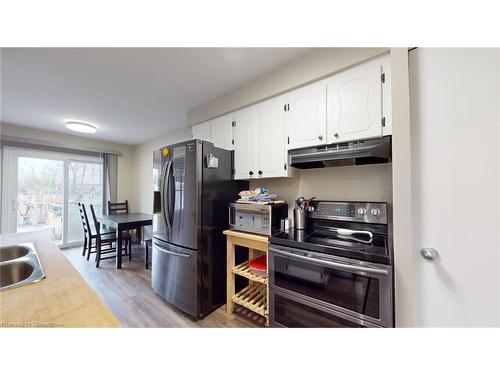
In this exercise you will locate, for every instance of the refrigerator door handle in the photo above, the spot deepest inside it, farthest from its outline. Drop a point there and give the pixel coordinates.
(171, 188)
(162, 249)
(165, 189)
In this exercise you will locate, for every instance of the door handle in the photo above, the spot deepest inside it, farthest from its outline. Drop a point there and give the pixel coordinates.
(165, 189)
(340, 266)
(171, 188)
(429, 253)
(163, 250)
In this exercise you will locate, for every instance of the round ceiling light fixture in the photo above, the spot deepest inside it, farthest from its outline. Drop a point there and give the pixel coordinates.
(81, 126)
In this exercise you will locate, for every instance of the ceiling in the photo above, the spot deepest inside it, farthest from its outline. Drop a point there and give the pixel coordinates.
(131, 94)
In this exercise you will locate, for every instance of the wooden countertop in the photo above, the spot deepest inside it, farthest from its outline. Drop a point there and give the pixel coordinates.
(62, 299)
(247, 236)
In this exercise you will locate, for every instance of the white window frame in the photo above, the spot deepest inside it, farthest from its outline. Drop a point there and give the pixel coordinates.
(10, 180)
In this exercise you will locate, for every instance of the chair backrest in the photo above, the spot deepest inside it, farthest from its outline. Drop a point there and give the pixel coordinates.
(97, 226)
(87, 229)
(118, 207)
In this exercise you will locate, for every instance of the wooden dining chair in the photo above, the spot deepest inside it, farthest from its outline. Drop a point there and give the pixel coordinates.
(104, 242)
(122, 208)
(89, 236)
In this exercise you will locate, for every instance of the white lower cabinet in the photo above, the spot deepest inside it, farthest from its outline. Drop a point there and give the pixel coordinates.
(245, 143)
(270, 150)
(355, 102)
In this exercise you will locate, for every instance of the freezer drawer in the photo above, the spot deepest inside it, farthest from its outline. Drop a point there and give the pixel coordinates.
(175, 273)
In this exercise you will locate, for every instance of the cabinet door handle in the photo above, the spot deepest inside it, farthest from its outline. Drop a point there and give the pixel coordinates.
(320, 137)
(260, 172)
(336, 135)
(429, 253)
(250, 173)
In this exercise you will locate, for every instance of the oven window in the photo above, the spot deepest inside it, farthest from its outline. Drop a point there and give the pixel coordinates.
(345, 289)
(294, 314)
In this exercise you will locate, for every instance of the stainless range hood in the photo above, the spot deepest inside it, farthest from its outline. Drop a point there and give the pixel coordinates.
(370, 151)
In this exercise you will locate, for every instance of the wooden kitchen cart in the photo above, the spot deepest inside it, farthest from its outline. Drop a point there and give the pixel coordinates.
(255, 296)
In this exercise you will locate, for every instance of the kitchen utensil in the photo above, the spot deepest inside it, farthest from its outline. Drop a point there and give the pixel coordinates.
(350, 232)
(306, 203)
(300, 201)
(299, 218)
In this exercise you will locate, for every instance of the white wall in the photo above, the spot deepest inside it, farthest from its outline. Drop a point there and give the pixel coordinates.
(402, 188)
(366, 182)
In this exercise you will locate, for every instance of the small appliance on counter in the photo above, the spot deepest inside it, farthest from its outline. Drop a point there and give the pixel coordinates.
(257, 211)
(257, 218)
(336, 273)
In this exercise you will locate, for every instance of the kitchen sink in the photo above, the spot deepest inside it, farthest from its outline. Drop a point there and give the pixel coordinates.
(19, 265)
(12, 273)
(13, 252)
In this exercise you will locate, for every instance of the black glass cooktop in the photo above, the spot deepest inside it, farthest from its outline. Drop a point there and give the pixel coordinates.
(359, 247)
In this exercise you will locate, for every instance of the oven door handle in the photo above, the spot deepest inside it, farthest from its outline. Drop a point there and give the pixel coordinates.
(340, 266)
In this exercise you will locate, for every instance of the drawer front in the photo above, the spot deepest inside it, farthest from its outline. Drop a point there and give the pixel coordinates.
(290, 310)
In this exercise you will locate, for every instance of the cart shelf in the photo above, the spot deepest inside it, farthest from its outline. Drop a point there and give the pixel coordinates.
(253, 297)
(243, 270)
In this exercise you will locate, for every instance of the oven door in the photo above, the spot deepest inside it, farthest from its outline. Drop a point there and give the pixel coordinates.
(359, 289)
(295, 311)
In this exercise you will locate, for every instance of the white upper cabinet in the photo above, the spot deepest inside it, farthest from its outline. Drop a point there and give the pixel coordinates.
(222, 132)
(351, 105)
(355, 105)
(271, 152)
(305, 116)
(245, 143)
(202, 131)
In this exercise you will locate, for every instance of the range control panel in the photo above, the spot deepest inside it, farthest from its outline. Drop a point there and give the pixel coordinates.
(364, 212)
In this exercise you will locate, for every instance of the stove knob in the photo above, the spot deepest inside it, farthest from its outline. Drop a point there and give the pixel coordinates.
(375, 211)
(361, 211)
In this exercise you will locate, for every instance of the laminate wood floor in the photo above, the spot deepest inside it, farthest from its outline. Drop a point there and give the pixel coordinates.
(128, 293)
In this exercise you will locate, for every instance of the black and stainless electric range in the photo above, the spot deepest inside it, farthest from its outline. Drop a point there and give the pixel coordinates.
(336, 273)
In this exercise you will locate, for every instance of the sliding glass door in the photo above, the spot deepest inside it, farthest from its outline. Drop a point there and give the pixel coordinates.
(40, 195)
(85, 186)
(42, 190)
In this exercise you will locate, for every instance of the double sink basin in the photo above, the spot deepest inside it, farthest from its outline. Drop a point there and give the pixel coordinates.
(19, 265)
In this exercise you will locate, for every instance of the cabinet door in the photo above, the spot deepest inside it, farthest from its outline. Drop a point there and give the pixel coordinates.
(271, 152)
(355, 103)
(222, 132)
(245, 137)
(202, 131)
(305, 116)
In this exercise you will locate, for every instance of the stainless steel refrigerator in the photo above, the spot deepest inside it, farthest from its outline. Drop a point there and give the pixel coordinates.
(192, 188)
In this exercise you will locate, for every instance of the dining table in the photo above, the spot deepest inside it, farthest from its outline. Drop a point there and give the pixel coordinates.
(123, 222)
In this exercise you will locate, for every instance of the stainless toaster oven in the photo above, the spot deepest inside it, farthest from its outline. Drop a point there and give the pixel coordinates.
(257, 218)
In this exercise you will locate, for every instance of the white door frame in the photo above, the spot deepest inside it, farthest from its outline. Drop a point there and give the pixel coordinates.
(10, 179)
